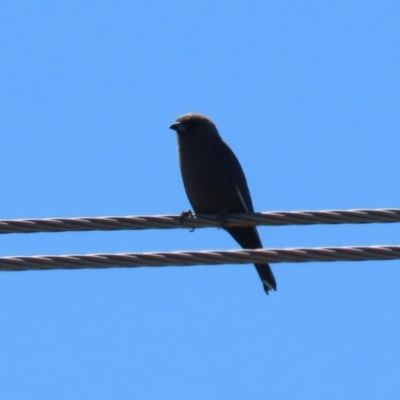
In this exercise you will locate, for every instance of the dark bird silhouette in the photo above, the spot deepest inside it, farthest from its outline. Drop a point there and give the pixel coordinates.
(214, 180)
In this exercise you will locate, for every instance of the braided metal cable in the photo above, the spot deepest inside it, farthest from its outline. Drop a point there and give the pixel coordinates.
(186, 220)
(189, 258)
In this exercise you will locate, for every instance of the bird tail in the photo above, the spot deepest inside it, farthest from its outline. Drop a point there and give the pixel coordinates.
(266, 276)
(248, 238)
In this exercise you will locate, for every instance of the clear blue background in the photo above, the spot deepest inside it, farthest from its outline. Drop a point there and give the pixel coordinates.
(306, 93)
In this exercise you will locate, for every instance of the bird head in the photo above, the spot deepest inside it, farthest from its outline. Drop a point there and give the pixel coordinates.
(194, 125)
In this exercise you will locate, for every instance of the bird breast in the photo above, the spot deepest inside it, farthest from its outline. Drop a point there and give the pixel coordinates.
(207, 185)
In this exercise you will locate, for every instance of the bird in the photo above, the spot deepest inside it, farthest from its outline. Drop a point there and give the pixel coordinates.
(214, 181)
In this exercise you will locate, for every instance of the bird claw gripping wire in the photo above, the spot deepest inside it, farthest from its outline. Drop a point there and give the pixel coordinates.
(187, 214)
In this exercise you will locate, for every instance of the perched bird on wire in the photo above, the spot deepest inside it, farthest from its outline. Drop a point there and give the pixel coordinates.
(214, 180)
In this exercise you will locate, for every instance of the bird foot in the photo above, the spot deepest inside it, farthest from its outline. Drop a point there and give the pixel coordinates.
(187, 214)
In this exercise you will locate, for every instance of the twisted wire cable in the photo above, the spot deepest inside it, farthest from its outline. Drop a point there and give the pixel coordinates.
(187, 220)
(190, 258)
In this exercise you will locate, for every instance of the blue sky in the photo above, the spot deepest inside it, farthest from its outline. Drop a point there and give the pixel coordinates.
(306, 93)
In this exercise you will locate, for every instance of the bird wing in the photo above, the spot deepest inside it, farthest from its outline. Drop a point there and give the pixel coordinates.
(233, 170)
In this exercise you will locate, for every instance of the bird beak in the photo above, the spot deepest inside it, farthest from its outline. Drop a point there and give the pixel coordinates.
(178, 127)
